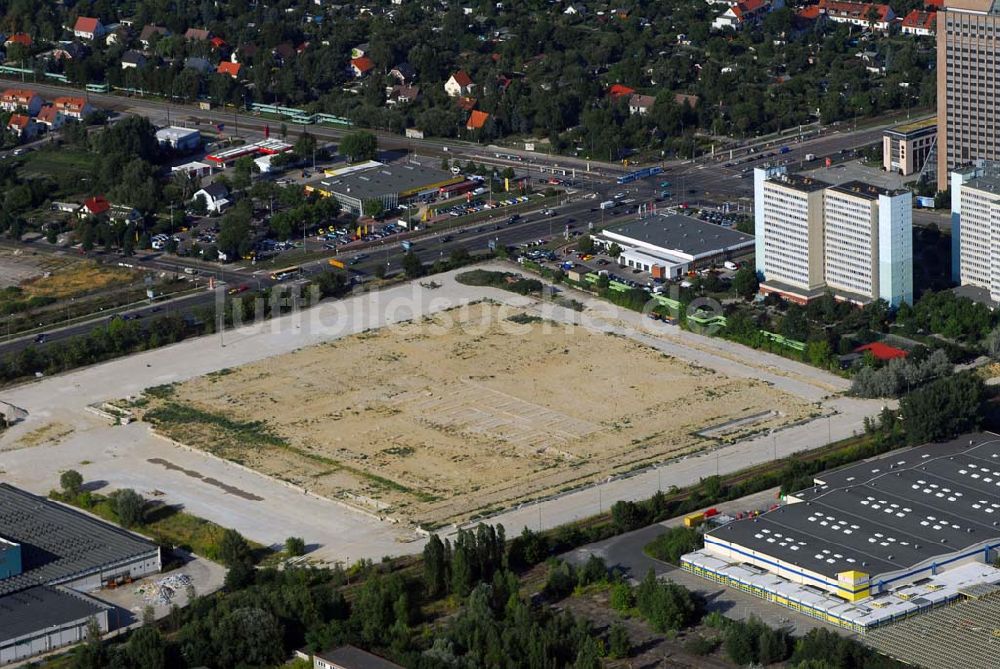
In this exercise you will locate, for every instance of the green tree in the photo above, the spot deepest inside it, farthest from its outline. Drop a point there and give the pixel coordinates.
(146, 649)
(129, 507)
(359, 146)
(412, 266)
(71, 481)
(619, 644)
(745, 283)
(943, 409)
(435, 569)
(588, 657)
(234, 549)
(585, 244)
(295, 546)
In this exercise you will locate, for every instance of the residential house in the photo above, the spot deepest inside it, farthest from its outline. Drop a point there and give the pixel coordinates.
(919, 23)
(122, 213)
(402, 95)
(216, 197)
(351, 657)
(50, 117)
(21, 99)
(119, 35)
(197, 35)
(403, 73)
(361, 67)
(198, 64)
(73, 107)
(360, 50)
(146, 36)
(617, 91)
(69, 51)
(228, 67)
(244, 54)
(22, 126)
(218, 44)
(640, 104)
(466, 103)
(88, 28)
(691, 100)
(864, 14)
(132, 59)
(20, 39)
(459, 84)
(745, 13)
(283, 53)
(477, 119)
(94, 206)
(575, 10)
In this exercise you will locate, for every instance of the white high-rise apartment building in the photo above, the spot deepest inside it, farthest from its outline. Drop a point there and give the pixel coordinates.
(976, 227)
(854, 239)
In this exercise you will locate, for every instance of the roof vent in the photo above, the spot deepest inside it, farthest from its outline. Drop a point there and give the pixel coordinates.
(889, 556)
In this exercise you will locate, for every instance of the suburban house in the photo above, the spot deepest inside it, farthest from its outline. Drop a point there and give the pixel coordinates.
(73, 107)
(50, 117)
(147, 33)
(360, 50)
(745, 12)
(640, 104)
(362, 66)
(863, 14)
(88, 28)
(22, 126)
(69, 51)
(919, 23)
(228, 67)
(122, 213)
(21, 39)
(198, 64)
(477, 119)
(617, 91)
(403, 73)
(351, 657)
(94, 206)
(197, 35)
(132, 59)
(459, 84)
(21, 99)
(402, 95)
(216, 197)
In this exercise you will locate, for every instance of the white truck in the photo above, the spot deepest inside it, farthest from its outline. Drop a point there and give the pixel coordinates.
(608, 204)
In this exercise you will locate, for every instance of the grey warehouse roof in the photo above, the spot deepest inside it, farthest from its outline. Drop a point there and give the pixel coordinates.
(886, 514)
(42, 607)
(58, 543)
(355, 658)
(385, 180)
(685, 234)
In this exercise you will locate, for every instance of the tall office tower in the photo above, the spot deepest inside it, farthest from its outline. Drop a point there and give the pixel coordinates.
(968, 82)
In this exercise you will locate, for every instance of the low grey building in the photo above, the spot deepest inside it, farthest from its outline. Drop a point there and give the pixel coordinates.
(391, 185)
(52, 556)
(182, 140)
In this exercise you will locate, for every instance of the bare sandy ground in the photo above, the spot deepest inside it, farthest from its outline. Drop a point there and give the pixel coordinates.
(466, 412)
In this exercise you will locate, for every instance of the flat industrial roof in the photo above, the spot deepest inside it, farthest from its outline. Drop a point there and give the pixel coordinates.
(988, 183)
(799, 182)
(385, 180)
(42, 607)
(865, 190)
(684, 234)
(914, 127)
(58, 543)
(887, 514)
(175, 133)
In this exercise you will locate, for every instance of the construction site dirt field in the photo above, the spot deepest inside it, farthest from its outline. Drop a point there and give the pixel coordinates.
(463, 413)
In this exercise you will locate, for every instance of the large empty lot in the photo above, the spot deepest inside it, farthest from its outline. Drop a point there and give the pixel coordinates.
(462, 413)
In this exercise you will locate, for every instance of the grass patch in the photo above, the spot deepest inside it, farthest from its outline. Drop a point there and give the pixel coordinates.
(69, 163)
(171, 416)
(515, 283)
(165, 524)
(524, 319)
(75, 279)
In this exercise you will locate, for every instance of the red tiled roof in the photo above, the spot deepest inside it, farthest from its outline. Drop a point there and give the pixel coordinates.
(69, 103)
(882, 351)
(19, 121)
(810, 13)
(363, 64)
(477, 119)
(217, 42)
(48, 114)
(226, 67)
(617, 90)
(85, 25)
(23, 39)
(19, 95)
(858, 10)
(919, 19)
(466, 103)
(97, 204)
(748, 7)
(462, 79)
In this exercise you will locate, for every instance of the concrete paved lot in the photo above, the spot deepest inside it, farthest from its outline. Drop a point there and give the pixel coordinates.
(120, 456)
